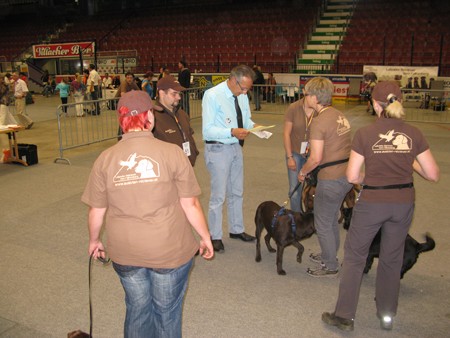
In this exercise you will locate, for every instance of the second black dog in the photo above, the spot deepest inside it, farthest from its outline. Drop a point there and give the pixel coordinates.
(287, 228)
(410, 255)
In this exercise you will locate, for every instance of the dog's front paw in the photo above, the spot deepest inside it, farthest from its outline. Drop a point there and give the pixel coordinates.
(258, 258)
(272, 250)
(299, 259)
(281, 272)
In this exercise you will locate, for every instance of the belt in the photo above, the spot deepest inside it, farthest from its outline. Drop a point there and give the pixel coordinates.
(213, 142)
(392, 186)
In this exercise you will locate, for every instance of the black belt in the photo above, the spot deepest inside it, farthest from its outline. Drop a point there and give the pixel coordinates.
(213, 142)
(392, 186)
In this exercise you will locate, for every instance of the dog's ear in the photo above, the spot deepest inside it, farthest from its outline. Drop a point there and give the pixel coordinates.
(78, 334)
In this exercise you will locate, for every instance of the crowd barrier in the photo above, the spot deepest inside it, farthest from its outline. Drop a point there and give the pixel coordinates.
(77, 131)
(421, 105)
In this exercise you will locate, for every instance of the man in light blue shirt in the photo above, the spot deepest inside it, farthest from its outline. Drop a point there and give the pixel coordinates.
(224, 137)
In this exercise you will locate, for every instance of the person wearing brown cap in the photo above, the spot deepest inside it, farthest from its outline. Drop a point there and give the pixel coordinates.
(148, 191)
(172, 123)
(386, 202)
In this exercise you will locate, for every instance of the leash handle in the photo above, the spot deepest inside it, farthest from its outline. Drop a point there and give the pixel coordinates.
(295, 189)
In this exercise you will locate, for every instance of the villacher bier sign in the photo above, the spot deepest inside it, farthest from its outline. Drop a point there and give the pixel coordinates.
(63, 50)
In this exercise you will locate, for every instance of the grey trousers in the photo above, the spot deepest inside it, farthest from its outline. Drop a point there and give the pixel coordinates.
(327, 202)
(368, 218)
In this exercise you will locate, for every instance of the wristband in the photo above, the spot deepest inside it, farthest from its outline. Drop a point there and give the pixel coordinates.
(288, 157)
(231, 132)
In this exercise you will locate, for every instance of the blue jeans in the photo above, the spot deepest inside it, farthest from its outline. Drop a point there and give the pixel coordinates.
(225, 164)
(327, 203)
(296, 198)
(154, 299)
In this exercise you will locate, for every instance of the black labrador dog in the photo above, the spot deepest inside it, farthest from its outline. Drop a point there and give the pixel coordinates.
(411, 253)
(285, 227)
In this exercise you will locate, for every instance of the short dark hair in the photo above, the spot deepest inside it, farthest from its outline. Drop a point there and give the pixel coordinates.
(183, 63)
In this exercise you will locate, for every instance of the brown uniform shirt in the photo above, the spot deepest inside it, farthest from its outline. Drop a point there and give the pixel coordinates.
(332, 127)
(176, 129)
(389, 147)
(300, 131)
(141, 180)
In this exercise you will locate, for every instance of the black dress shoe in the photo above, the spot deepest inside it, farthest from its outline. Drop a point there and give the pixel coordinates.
(243, 236)
(218, 245)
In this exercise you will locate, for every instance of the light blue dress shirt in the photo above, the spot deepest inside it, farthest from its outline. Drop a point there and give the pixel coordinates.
(219, 114)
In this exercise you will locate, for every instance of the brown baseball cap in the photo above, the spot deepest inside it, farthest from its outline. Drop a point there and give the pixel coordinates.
(137, 102)
(169, 82)
(383, 91)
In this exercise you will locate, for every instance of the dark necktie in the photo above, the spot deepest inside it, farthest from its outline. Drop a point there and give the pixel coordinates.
(239, 117)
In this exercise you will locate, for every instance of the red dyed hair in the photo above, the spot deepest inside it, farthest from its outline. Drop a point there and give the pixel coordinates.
(127, 122)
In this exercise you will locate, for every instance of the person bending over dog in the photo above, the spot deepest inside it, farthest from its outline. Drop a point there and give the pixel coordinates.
(329, 148)
(386, 202)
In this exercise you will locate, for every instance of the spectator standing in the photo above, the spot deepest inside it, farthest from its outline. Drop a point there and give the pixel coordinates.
(226, 119)
(270, 89)
(64, 90)
(329, 146)
(20, 92)
(116, 81)
(297, 122)
(5, 115)
(258, 89)
(172, 123)
(107, 81)
(127, 86)
(147, 84)
(77, 88)
(94, 83)
(184, 77)
(386, 202)
(148, 221)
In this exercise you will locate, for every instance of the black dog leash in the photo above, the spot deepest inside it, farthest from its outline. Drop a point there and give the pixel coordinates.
(104, 261)
(292, 193)
(392, 186)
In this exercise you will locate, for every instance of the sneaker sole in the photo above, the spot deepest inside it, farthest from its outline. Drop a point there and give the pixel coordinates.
(340, 326)
(334, 275)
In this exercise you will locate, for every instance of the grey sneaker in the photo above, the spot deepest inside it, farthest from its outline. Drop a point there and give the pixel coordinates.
(316, 258)
(340, 323)
(322, 272)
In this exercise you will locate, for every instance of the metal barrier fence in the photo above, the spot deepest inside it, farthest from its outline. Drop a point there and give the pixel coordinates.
(420, 106)
(79, 126)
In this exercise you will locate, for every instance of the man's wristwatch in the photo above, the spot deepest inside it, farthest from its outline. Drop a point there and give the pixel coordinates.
(301, 174)
(288, 157)
(231, 132)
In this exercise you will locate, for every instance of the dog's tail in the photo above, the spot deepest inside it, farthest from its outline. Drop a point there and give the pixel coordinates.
(426, 246)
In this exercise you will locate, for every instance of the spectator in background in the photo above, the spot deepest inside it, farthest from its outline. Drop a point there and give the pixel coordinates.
(78, 89)
(147, 84)
(107, 81)
(5, 115)
(149, 223)
(270, 89)
(184, 77)
(64, 90)
(20, 92)
(94, 83)
(257, 87)
(172, 123)
(127, 86)
(116, 81)
(162, 70)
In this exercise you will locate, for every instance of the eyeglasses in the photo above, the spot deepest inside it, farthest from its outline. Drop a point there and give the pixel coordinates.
(242, 88)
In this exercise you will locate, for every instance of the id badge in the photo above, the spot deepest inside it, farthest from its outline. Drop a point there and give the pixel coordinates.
(303, 147)
(187, 148)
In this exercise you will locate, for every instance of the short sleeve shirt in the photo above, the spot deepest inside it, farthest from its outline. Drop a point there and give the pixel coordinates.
(389, 147)
(140, 181)
(300, 130)
(332, 127)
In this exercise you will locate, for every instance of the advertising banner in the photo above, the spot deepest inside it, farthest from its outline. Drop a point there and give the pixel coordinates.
(409, 77)
(63, 50)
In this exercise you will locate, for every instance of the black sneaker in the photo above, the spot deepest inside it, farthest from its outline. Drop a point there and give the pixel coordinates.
(340, 323)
